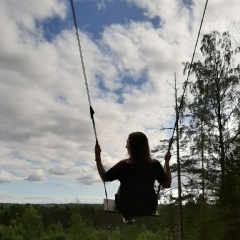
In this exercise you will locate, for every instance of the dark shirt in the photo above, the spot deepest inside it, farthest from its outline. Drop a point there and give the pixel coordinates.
(123, 170)
(137, 181)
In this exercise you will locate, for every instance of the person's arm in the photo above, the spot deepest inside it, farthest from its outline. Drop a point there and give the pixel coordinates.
(167, 184)
(98, 160)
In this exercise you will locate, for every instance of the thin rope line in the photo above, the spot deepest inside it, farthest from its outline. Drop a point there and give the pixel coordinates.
(184, 90)
(84, 71)
(189, 70)
(106, 194)
(86, 83)
(80, 51)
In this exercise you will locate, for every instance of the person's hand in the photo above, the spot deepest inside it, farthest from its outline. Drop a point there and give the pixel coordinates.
(168, 156)
(97, 152)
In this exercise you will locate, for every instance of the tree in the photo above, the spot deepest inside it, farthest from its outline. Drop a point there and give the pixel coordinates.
(214, 118)
(8, 233)
(31, 223)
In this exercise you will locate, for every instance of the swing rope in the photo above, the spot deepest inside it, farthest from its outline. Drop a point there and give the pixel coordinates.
(86, 82)
(88, 93)
(189, 70)
(184, 89)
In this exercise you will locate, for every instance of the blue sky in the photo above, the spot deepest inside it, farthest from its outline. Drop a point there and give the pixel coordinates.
(131, 49)
(115, 12)
(93, 17)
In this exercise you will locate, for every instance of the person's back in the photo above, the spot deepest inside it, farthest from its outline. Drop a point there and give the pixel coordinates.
(136, 195)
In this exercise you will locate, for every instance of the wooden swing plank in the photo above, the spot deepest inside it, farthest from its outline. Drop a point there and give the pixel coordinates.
(110, 207)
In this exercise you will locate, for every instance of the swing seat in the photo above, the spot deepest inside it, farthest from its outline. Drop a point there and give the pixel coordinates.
(110, 207)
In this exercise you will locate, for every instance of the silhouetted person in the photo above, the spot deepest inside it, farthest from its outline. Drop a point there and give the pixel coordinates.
(136, 195)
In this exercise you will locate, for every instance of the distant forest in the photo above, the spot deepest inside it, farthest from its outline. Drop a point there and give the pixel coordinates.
(208, 168)
(90, 222)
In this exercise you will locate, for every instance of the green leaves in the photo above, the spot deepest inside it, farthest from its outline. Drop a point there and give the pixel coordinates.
(214, 121)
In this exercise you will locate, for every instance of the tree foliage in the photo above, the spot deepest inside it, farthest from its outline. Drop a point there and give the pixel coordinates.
(209, 141)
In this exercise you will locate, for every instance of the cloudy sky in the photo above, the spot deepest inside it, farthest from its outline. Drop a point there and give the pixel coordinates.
(131, 50)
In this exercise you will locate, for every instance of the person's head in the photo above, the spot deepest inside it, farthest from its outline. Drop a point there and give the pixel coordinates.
(138, 147)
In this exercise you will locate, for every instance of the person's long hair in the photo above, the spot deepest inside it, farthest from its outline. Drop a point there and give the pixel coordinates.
(138, 147)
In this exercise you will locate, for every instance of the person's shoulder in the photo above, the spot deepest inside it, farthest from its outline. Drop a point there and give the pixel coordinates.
(123, 161)
(126, 161)
(155, 161)
(122, 164)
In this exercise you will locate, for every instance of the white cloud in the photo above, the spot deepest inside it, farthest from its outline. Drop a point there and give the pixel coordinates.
(14, 198)
(45, 121)
(37, 176)
(62, 170)
(7, 177)
(87, 179)
(27, 13)
(87, 175)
